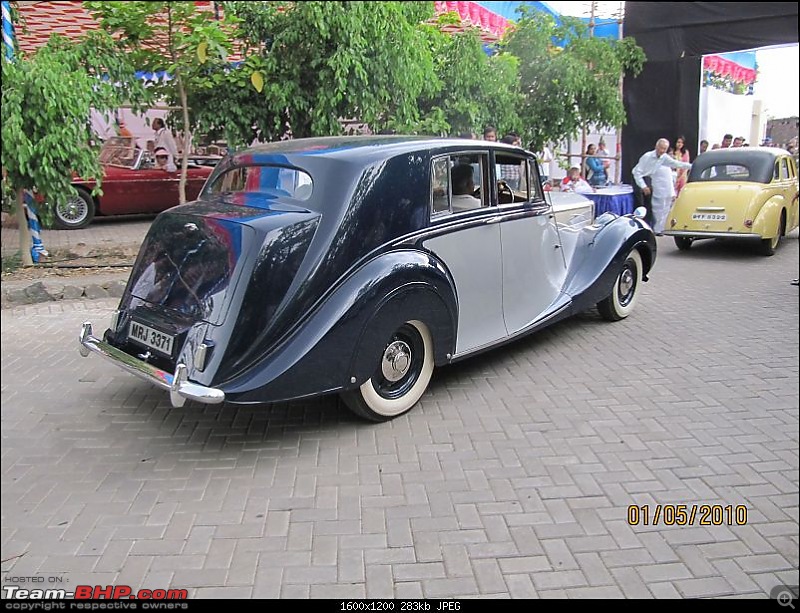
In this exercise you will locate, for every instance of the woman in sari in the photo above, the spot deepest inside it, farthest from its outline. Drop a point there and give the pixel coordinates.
(680, 153)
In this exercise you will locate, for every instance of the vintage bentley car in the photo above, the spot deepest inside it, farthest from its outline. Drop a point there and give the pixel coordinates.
(354, 265)
(131, 184)
(744, 192)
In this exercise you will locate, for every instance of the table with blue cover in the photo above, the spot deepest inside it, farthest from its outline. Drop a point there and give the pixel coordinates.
(615, 199)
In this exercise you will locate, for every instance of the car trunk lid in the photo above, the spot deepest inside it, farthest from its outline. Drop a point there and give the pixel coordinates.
(715, 207)
(195, 255)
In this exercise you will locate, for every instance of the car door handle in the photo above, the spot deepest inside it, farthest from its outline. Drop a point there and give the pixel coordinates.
(494, 219)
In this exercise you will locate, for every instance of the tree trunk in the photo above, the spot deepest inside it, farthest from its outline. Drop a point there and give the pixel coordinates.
(25, 240)
(187, 139)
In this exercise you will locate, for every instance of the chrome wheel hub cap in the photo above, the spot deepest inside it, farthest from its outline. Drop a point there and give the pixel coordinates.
(396, 361)
(73, 209)
(625, 282)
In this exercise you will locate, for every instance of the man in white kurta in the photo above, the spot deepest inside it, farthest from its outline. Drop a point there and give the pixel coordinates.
(657, 165)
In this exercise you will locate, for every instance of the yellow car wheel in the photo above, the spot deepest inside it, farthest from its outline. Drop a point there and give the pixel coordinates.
(684, 243)
(769, 245)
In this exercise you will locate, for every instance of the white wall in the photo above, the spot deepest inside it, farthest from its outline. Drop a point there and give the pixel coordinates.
(724, 113)
(104, 126)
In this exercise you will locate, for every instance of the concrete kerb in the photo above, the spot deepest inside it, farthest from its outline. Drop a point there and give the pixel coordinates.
(52, 288)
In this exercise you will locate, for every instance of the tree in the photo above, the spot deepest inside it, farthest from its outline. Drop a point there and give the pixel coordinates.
(472, 89)
(176, 37)
(571, 82)
(46, 106)
(321, 62)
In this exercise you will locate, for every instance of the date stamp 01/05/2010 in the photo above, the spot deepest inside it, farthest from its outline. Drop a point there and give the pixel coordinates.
(687, 515)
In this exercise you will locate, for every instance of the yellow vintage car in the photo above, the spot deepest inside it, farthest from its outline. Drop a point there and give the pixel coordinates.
(744, 193)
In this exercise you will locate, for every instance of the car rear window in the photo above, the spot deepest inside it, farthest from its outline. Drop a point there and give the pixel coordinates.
(271, 180)
(754, 169)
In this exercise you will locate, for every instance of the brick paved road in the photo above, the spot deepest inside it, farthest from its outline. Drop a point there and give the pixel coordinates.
(511, 479)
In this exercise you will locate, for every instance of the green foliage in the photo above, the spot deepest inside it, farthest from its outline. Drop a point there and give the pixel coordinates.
(572, 83)
(321, 62)
(46, 105)
(177, 37)
(472, 90)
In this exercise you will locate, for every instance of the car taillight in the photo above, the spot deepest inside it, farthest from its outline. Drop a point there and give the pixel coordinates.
(748, 223)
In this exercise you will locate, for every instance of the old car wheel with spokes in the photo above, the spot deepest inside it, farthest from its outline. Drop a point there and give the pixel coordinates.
(401, 377)
(619, 304)
(76, 212)
(684, 243)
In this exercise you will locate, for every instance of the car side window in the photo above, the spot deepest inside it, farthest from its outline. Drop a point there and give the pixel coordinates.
(776, 173)
(784, 169)
(518, 180)
(458, 183)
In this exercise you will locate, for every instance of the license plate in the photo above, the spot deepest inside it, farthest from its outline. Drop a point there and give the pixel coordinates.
(709, 217)
(151, 338)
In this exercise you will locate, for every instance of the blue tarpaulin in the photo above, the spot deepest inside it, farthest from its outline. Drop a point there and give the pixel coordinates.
(603, 28)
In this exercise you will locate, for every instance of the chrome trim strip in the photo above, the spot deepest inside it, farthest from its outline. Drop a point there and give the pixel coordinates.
(710, 208)
(178, 385)
(710, 234)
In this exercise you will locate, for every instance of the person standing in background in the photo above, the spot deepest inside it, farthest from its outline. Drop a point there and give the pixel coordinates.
(680, 153)
(123, 130)
(544, 158)
(163, 138)
(603, 153)
(656, 165)
(597, 167)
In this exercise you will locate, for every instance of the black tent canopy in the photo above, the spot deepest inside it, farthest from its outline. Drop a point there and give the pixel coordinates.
(664, 99)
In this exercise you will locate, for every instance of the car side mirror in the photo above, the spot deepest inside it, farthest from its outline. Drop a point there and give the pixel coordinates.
(640, 212)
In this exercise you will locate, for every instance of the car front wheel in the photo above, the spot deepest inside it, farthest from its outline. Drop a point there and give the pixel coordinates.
(684, 243)
(625, 293)
(401, 376)
(76, 212)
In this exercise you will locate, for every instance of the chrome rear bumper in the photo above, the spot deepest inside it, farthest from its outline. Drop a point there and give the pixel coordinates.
(179, 387)
(711, 234)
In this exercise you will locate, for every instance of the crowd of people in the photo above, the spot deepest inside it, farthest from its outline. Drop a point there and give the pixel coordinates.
(659, 175)
(162, 146)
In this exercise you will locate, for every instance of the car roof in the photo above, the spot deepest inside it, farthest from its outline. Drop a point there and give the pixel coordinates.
(364, 149)
(740, 154)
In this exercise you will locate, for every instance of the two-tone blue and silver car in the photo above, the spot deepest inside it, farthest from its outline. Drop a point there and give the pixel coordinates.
(355, 265)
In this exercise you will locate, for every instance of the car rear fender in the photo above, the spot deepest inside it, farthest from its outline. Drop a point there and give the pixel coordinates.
(340, 338)
(768, 217)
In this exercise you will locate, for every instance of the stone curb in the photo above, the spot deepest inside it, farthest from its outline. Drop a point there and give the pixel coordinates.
(51, 290)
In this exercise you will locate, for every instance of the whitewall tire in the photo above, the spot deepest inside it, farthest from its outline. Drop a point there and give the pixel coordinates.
(625, 293)
(401, 376)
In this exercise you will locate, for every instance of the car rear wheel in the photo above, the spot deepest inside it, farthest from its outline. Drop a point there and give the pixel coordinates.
(76, 212)
(625, 293)
(684, 243)
(769, 245)
(401, 376)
